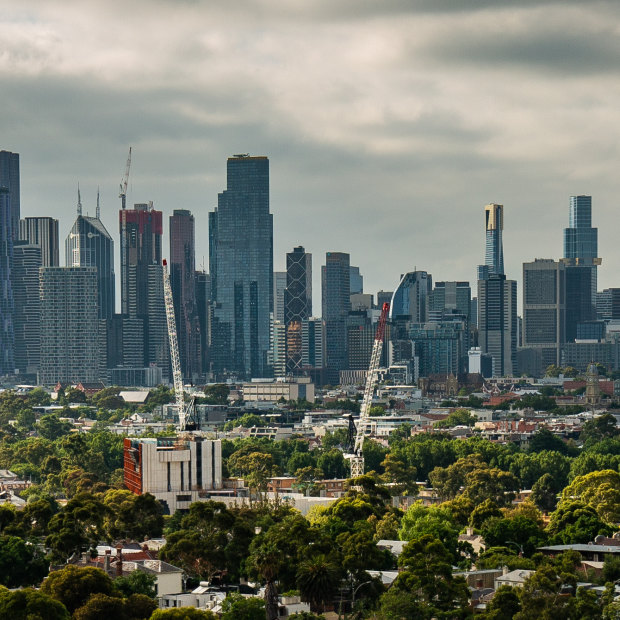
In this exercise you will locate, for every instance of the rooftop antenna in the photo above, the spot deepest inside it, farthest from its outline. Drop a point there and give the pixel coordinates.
(79, 205)
(98, 212)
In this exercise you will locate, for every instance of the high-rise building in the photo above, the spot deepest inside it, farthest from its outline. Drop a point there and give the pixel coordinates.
(494, 251)
(183, 284)
(25, 281)
(141, 281)
(313, 348)
(69, 325)
(42, 231)
(441, 347)
(141, 232)
(608, 304)
(497, 322)
(278, 349)
(356, 280)
(384, 297)
(279, 286)
(7, 342)
(297, 303)
(580, 257)
(336, 298)
(451, 297)
(544, 312)
(203, 303)
(89, 244)
(9, 178)
(241, 267)
(410, 299)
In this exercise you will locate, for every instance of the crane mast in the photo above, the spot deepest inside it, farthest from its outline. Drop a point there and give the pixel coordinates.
(357, 458)
(174, 349)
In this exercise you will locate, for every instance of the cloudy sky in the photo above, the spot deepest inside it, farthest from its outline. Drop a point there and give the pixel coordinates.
(389, 125)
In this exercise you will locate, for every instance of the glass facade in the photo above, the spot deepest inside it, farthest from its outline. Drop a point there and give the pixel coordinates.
(241, 266)
(494, 225)
(7, 362)
(410, 299)
(9, 178)
(297, 303)
(42, 231)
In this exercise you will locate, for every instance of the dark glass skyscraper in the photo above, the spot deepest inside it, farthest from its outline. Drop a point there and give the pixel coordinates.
(297, 303)
(89, 244)
(336, 288)
(9, 178)
(7, 362)
(183, 283)
(580, 239)
(241, 267)
(494, 251)
(410, 299)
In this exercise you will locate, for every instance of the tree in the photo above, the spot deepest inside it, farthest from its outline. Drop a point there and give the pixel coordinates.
(332, 464)
(139, 606)
(133, 516)
(318, 579)
(101, 606)
(544, 439)
(400, 474)
(256, 468)
(237, 607)
(504, 605)
(602, 427)
(30, 604)
(426, 570)
(217, 394)
(137, 582)
(518, 531)
(51, 427)
(73, 586)
(21, 563)
(575, 522)
(436, 521)
(396, 604)
(459, 417)
(77, 528)
(544, 494)
(599, 489)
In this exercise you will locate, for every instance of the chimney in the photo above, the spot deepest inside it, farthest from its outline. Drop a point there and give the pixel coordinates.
(119, 560)
(505, 570)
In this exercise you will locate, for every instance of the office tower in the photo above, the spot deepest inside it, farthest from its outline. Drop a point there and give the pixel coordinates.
(356, 280)
(183, 283)
(42, 231)
(203, 299)
(580, 257)
(278, 349)
(497, 322)
(451, 298)
(7, 362)
(313, 348)
(25, 282)
(361, 331)
(279, 286)
(69, 325)
(410, 299)
(241, 267)
(297, 303)
(494, 225)
(384, 297)
(89, 244)
(544, 312)
(441, 347)
(335, 284)
(141, 281)
(608, 304)
(9, 178)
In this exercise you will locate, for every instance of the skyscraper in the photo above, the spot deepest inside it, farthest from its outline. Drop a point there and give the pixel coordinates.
(410, 299)
(241, 267)
(89, 244)
(544, 313)
(450, 297)
(9, 178)
(203, 304)
(336, 297)
(356, 280)
(25, 281)
(580, 258)
(494, 251)
(297, 303)
(69, 325)
(7, 362)
(279, 286)
(42, 231)
(183, 283)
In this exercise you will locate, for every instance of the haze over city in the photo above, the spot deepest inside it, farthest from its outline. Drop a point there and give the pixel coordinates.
(388, 126)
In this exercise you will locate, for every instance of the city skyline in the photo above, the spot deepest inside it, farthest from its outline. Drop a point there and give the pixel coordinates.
(375, 115)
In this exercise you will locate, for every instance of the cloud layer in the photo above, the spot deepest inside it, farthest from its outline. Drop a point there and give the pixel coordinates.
(388, 125)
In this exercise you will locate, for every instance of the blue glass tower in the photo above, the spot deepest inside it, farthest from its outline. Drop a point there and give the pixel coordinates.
(580, 239)
(494, 251)
(7, 362)
(241, 266)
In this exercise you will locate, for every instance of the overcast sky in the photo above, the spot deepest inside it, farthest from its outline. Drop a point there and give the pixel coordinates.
(388, 124)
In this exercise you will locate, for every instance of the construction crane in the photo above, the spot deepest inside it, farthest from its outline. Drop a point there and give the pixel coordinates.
(123, 196)
(356, 458)
(185, 411)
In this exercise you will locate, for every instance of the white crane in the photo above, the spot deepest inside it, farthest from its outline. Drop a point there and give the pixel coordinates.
(174, 350)
(357, 457)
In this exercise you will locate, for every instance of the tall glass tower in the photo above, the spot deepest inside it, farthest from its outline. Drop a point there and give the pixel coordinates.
(241, 266)
(494, 252)
(7, 342)
(9, 178)
(297, 303)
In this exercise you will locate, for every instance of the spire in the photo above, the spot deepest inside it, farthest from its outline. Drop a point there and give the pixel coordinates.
(79, 205)
(98, 212)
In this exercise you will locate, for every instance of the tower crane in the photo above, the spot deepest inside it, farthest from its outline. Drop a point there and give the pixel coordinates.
(185, 411)
(123, 196)
(356, 458)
